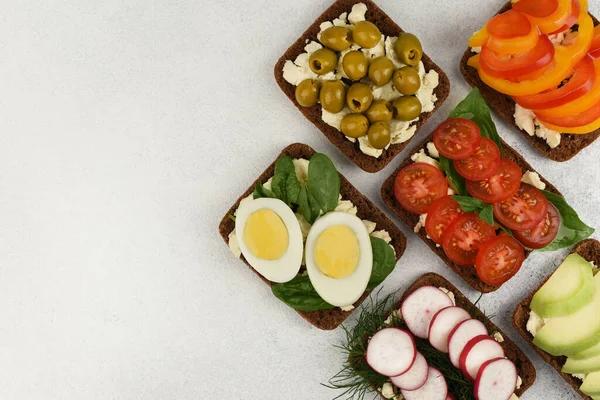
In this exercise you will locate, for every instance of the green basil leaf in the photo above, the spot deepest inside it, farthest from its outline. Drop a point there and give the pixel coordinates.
(261, 191)
(309, 207)
(285, 184)
(459, 183)
(384, 261)
(300, 294)
(475, 108)
(572, 229)
(487, 214)
(323, 182)
(470, 204)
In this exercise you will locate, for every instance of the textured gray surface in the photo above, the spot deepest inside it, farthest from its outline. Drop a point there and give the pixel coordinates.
(127, 131)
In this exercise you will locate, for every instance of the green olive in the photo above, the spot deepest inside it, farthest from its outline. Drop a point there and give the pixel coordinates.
(355, 65)
(332, 96)
(379, 135)
(336, 38)
(354, 125)
(366, 34)
(307, 92)
(380, 110)
(407, 80)
(381, 71)
(409, 49)
(322, 61)
(359, 97)
(406, 108)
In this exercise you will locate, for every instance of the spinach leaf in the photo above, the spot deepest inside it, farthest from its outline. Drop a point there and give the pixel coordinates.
(300, 294)
(261, 191)
(475, 108)
(572, 229)
(384, 261)
(473, 205)
(285, 184)
(459, 183)
(323, 182)
(309, 207)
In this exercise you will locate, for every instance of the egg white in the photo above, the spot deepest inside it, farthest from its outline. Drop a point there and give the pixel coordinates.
(283, 269)
(345, 291)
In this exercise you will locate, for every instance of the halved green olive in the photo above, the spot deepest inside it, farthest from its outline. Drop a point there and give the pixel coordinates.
(323, 61)
(409, 49)
(366, 34)
(355, 65)
(379, 135)
(307, 92)
(381, 71)
(332, 96)
(359, 97)
(406, 108)
(380, 110)
(407, 80)
(354, 125)
(336, 38)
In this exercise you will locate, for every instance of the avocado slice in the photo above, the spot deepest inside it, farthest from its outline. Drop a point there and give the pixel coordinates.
(567, 291)
(582, 365)
(589, 352)
(570, 334)
(591, 384)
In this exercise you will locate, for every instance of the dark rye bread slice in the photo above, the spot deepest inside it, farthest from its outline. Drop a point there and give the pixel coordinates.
(588, 249)
(570, 145)
(389, 28)
(324, 319)
(410, 219)
(524, 366)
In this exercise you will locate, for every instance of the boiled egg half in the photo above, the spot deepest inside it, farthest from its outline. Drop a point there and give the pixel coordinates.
(339, 258)
(270, 238)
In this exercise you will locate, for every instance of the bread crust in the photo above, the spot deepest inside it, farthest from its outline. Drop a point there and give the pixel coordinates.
(389, 28)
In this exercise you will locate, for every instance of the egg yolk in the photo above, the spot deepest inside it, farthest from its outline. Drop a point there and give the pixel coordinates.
(337, 252)
(266, 235)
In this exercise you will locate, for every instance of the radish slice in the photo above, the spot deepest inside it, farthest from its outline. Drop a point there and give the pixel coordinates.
(415, 377)
(496, 380)
(442, 323)
(450, 397)
(391, 351)
(434, 389)
(479, 350)
(418, 309)
(461, 335)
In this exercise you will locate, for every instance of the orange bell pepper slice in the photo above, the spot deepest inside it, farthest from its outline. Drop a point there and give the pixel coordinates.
(479, 38)
(582, 44)
(516, 45)
(579, 130)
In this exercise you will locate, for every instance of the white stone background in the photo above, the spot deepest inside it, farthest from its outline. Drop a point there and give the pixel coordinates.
(128, 129)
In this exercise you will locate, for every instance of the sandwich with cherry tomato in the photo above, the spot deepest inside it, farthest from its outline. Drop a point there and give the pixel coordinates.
(537, 63)
(482, 207)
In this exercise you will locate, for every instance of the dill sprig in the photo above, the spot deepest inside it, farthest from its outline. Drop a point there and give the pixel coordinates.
(357, 379)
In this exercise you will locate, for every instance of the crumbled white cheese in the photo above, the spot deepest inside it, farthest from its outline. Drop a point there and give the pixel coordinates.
(370, 225)
(514, 397)
(557, 38)
(383, 235)
(500, 339)
(298, 70)
(387, 390)
(233, 244)
(476, 49)
(377, 51)
(266, 185)
(346, 206)
(533, 178)
(581, 377)
(429, 81)
(421, 223)
(342, 20)
(432, 150)
(535, 323)
(393, 314)
(301, 168)
(519, 382)
(335, 120)
(358, 13)
(402, 131)
(347, 308)
(424, 158)
(526, 120)
(385, 92)
(390, 51)
(451, 192)
(449, 294)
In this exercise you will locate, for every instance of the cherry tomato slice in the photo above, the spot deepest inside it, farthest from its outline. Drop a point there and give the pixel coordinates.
(441, 214)
(464, 237)
(536, 8)
(418, 185)
(524, 210)
(544, 233)
(500, 186)
(580, 83)
(510, 66)
(457, 138)
(499, 259)
(482, 164)
(509, 25)
(572, 20)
